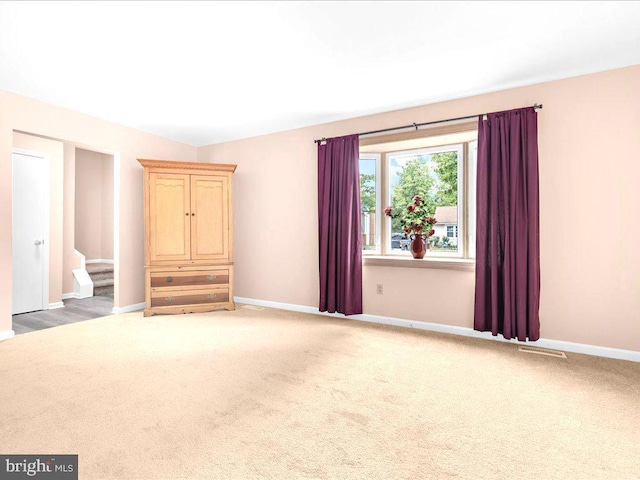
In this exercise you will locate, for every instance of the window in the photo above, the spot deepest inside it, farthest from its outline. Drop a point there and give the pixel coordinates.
(433, 174)
(443, 175)
(370, 201)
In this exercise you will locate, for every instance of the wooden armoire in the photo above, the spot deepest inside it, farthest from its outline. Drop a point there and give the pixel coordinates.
(188, 232)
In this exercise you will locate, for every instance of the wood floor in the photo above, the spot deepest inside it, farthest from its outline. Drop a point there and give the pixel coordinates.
(75, 310)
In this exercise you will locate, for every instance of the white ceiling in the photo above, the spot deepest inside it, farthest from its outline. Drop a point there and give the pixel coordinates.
(207, 72)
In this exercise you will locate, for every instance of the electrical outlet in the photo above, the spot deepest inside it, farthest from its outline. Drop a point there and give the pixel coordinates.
(379, 289)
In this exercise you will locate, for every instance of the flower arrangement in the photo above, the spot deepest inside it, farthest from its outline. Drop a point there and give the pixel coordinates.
(414, 218)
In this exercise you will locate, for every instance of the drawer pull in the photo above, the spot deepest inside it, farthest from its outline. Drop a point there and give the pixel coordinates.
(169, 279)
(170, 299)
(211, 296)
(211, 277)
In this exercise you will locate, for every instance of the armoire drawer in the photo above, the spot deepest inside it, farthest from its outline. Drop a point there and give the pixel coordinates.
(189, 297)
(197, 278)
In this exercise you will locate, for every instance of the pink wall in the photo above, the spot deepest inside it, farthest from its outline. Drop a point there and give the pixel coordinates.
(28, 115)
(55, 150)
(106, 240)
(589, 169)
(69, 260)
(94, 204)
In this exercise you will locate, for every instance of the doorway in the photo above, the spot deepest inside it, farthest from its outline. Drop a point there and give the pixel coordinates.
(94, 220)
(30, 231)
(47, 191)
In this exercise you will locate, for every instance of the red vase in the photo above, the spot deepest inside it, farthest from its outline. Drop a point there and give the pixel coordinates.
(418, 245)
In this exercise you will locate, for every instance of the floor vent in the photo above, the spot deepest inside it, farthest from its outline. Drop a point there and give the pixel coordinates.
(253, 307)
(543, 351)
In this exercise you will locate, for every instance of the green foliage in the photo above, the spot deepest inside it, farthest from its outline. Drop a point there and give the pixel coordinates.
(447, 170)
(368, 193)
(414, 218)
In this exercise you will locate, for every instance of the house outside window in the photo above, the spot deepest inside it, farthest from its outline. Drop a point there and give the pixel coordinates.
(452, 228)
(446, 230)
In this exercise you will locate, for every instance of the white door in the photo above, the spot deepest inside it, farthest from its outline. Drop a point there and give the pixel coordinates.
(30, 211)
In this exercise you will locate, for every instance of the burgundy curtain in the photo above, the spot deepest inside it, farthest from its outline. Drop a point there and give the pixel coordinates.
(339, 225)
(507, 248)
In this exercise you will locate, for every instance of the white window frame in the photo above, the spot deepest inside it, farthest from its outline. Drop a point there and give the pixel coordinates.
(378, 217)
(461, 199)
(472, 169)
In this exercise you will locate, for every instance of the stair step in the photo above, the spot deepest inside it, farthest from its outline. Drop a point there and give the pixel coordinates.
(101, 276)
(93, 268)
(103, 291)
(105, 282)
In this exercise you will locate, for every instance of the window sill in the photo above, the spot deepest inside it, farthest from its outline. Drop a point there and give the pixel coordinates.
(427, 262)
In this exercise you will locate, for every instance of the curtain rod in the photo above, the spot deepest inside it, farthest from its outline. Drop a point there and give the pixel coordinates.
(416, 125)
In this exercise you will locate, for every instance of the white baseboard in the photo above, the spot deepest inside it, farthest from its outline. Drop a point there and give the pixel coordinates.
(55, 305)
(129, 308)
(100, 260)
(582, 348)
(7, 334)
(67, 296)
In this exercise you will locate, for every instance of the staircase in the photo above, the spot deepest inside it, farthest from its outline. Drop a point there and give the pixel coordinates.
(102, 277)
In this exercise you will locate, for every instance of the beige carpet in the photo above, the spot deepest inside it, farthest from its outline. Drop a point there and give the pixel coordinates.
(281, 395)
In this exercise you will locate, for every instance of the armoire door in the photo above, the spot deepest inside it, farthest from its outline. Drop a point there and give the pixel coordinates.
(169, 217)
(210, 217)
